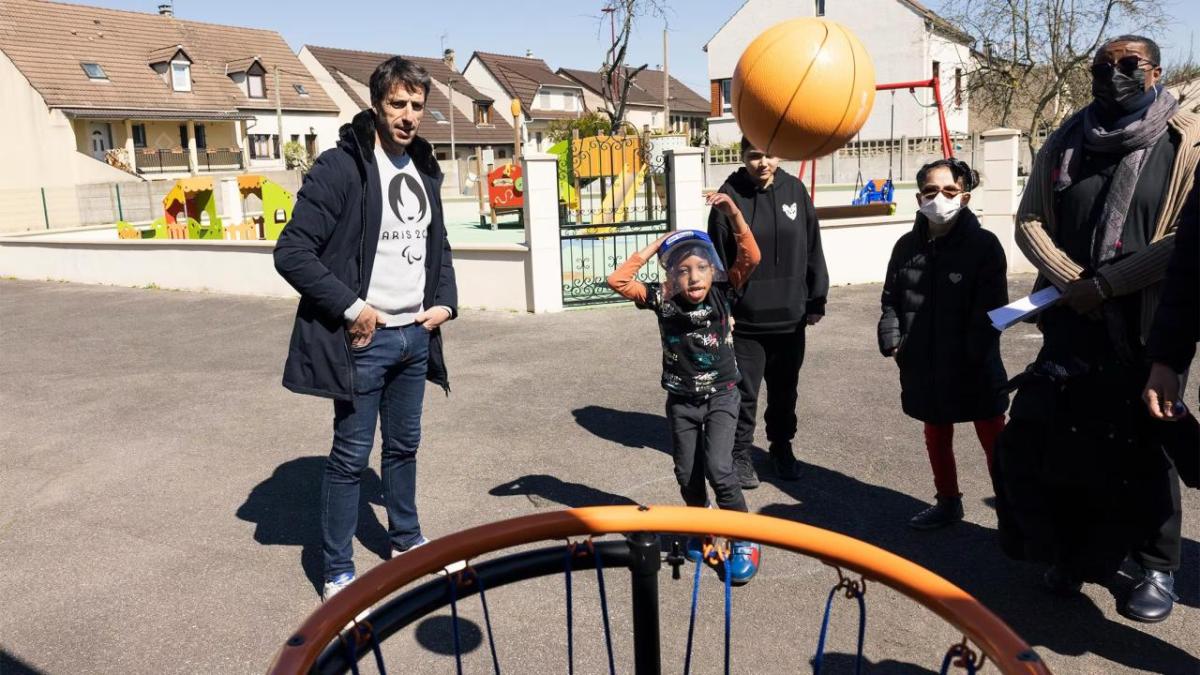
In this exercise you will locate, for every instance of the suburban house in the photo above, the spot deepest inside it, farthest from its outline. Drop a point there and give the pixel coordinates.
(87, 89)
(543, 95)
(644, 108)
(456, 129)
(906, 41)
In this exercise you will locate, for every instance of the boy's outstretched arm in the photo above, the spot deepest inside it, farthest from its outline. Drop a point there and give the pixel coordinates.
(748, 254)
(623, 280)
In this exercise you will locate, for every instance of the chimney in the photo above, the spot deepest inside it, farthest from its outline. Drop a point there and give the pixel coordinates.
(167, 9)
(448, 58)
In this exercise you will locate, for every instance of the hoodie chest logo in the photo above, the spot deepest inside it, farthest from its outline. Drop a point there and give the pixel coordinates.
(789, 210)
(955, 277)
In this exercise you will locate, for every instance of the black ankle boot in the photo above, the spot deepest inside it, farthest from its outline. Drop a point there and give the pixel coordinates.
(946, 511)
(784, 459)
(1152, 599)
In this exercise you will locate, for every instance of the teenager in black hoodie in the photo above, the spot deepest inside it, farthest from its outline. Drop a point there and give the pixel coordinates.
(784, 295)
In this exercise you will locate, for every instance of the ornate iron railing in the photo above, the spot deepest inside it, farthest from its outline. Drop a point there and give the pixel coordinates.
(612, 203)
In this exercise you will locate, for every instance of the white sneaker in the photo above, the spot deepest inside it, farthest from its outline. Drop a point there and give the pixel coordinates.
(452, 568)
(336, 584)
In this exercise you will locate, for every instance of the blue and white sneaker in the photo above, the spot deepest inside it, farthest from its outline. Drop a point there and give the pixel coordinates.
(452, 568)
(744, 560)
(335, 585)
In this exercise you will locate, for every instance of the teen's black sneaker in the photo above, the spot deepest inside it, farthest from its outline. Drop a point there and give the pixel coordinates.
(947, 511)
(746, 475)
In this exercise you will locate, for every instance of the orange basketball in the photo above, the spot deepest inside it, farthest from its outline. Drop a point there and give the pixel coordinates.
(803, 88)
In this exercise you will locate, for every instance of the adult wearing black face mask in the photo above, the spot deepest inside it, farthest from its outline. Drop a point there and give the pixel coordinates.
(1081, 480)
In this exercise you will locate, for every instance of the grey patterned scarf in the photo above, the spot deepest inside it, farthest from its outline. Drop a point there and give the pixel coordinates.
(1134, 141)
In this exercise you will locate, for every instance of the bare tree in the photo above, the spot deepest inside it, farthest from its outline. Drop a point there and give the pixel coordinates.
(1033, 57)
(616, 77)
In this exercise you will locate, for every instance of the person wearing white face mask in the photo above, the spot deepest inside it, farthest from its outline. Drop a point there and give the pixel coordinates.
(942, 279)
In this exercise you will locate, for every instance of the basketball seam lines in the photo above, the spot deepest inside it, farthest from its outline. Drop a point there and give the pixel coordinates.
(779, 122)
(750, 69)
(849, 100)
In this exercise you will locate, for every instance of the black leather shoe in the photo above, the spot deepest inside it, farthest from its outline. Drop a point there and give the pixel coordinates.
(746, 475)
(786, 466)
(1152, 599)
(1061, 582)
(947, 511)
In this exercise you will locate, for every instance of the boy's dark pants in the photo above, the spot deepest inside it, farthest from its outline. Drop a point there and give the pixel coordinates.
(702, 432)
(775, 357)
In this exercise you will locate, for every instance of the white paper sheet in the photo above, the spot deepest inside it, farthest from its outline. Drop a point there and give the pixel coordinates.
(1003, 317)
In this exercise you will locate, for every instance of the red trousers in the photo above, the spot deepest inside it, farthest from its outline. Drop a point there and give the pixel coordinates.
(939, 442)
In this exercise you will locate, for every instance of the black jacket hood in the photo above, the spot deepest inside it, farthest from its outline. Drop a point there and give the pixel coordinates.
(358, 139)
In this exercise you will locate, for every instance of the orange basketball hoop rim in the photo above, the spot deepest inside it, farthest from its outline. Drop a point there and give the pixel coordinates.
(1005, 648)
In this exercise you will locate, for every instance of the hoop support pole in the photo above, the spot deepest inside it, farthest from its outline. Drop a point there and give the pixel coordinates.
(643, 574)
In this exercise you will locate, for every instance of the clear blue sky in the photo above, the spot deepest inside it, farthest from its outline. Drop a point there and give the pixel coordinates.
(566, 33)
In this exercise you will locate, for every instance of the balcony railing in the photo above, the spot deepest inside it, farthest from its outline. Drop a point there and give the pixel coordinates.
(152, 160)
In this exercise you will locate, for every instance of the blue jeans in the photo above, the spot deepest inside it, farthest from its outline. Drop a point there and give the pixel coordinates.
(389, 385)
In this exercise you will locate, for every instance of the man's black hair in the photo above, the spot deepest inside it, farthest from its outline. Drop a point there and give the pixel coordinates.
(747, 145)
(1152, 50)
(397, 70)
(963, 174)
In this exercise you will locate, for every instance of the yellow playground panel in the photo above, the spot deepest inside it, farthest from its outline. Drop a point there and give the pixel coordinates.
(602, 156)
(190, 212)
(276, 208)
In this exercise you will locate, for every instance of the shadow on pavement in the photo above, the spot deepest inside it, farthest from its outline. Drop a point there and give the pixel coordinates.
(543, 491)
(436, 633)
(969, 556)
(834, 664)
(11, 665)
(631, 429)
(286, 510)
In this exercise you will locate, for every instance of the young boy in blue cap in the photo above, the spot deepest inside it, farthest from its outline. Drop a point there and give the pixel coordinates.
(699, 370)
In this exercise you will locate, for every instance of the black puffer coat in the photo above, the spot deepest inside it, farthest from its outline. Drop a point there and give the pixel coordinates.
(935, 302)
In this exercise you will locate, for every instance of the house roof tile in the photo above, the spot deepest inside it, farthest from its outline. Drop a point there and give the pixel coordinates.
(522, 77)
(646, 89)
(352, 70)
(47, 41)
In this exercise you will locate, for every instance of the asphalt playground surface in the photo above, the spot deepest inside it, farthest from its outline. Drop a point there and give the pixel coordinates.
(158, 496)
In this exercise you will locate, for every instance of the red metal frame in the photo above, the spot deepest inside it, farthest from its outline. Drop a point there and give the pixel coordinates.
(932, 83)
(944, 131)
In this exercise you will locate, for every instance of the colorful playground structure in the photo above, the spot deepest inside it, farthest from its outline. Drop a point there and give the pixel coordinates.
(190, 212)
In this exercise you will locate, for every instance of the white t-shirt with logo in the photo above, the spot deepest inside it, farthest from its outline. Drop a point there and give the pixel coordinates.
(397, 288)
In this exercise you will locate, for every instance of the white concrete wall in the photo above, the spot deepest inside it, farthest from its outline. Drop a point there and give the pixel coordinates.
(490, 276)
(480, 78)
(893, 34)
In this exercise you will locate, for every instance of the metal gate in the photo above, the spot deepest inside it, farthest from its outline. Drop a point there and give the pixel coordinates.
(612, 196)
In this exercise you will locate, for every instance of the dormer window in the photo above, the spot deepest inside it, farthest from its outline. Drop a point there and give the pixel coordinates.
(300, 89)
(255, 86)
(181, 75)
(483, 113)
(94, 71)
